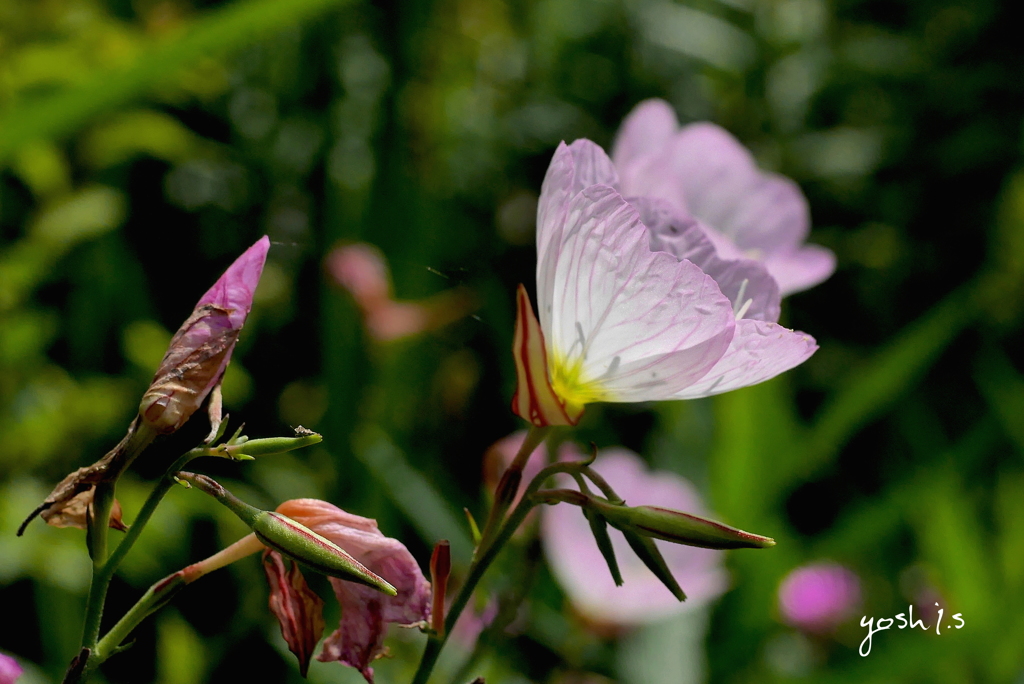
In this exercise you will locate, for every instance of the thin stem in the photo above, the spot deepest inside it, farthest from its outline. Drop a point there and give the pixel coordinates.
(485, 556)
(508, 486)
(104, 567)
(156, 597)
(103, 501)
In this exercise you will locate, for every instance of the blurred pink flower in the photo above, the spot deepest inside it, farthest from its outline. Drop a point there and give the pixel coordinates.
(581, 570)
(703, 171)
(361, 270)
(635, 304)
(365, 612)
(9, 669)
(201, 349)
(818, 597)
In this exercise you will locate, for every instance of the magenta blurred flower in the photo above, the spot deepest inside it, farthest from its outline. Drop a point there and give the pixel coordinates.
(201, 349)
(9, 669)
(635, 304)
(361, 270)
(365, 612)
(818, 597)
(581, 570)
(704, 172)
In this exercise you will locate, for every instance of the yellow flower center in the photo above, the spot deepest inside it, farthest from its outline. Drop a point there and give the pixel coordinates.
(572, 385)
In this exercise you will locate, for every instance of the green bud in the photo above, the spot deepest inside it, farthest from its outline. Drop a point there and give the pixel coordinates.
(241, 448)
(678, 527)
(291, 538)
(318, 553)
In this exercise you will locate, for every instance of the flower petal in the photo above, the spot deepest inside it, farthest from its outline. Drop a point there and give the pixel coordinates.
(534, 399)
(759, 351)
(801, 268)
(235, 288)
(297, 608)
(635, 324)
(573, 168)
(365, 612)
(645, 131)
(685, 238)
(723, 187)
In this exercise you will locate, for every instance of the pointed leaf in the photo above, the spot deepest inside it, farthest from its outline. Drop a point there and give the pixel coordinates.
(599, 526)
(647, 551)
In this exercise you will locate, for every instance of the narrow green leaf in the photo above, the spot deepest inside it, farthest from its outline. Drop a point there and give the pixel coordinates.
(876, 384)
(599, 526)
(219, 31)
(647, 551)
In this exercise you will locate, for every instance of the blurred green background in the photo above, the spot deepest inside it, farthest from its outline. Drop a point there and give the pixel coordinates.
(145, 143)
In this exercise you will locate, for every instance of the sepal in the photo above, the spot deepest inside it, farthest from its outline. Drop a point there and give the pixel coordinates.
(599, 528)
(535, 399)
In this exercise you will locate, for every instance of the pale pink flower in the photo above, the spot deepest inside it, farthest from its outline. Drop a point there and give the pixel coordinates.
(818, 597)
(201, 349)
(582, 572)
(9, 669)
(704, 172)
(365, 612)
(635, 304)
(360, 268)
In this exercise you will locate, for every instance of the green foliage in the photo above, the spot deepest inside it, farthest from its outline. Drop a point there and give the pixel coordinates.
(143, 144)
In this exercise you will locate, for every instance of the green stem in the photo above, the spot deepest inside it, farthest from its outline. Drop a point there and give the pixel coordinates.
(103, 501)
(482, 561)
(103, 567)
(508, 486)
(155, 598)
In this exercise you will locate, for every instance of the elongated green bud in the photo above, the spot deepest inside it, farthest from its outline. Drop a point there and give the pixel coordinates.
(318, 553)
(679, 527)
(272, 445)
(291, 538)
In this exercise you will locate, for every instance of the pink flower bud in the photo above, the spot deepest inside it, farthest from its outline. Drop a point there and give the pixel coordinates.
(201, 349)
(818, 597)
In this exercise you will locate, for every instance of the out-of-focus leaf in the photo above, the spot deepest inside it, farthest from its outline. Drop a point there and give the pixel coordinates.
(1003, 389)
(181, 652)
(219, 31)
(1009, 511)
(144, 344)
(755, 447)
(885, 377)
(953, 539)
(44, 168)
(425, 508)
(139, 132)
(84, 215)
